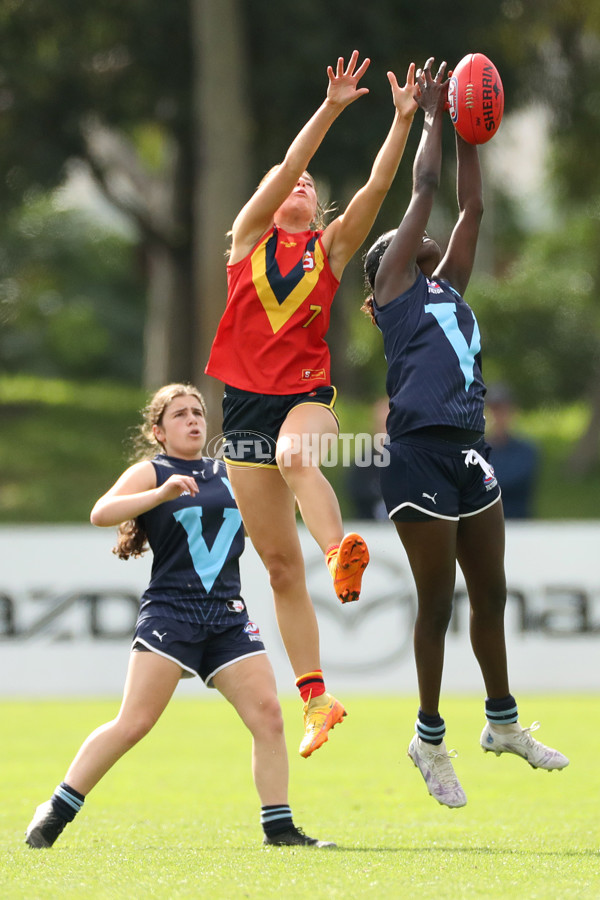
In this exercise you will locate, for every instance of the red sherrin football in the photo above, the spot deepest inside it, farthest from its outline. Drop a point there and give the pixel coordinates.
(476, 98)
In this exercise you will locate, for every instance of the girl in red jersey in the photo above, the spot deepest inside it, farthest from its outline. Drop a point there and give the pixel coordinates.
(270, 352)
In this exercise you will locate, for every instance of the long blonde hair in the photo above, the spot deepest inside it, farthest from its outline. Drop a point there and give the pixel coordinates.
(131, 537)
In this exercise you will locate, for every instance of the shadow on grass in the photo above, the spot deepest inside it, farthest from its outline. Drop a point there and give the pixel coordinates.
(490, 851)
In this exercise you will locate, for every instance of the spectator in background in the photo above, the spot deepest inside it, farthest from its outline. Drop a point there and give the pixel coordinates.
(362, 482)
(514, 458)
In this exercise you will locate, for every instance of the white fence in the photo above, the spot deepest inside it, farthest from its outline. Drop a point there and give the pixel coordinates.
(68, 606)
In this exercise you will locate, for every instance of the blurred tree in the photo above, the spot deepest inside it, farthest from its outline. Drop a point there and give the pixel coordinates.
(558, 55)
(101, 84)
(539, 319)
(112, 86)
(62, 284)
(576, 36)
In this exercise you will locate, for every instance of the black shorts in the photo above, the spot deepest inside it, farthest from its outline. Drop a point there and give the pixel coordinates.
(251, 422)
(429, 477)
(199, 649)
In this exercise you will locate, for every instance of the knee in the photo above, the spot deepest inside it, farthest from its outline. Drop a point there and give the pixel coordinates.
(268, 720)
(292, 464)
(299, 455)
(492, 606)
(133, 730)
(285, 571)
(435, 616)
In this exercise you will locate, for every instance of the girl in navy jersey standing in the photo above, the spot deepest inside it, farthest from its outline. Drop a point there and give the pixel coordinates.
(439, 489)
(270, 351)
(192, 619)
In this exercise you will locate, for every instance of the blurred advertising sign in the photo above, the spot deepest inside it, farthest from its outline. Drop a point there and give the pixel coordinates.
(68, 607)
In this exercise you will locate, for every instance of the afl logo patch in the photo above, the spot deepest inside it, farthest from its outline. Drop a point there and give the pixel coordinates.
(252, 630)
(490, 481)
(433, 287)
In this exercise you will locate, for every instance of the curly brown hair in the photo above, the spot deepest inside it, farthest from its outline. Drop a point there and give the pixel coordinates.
(368, 309)
(132, 539)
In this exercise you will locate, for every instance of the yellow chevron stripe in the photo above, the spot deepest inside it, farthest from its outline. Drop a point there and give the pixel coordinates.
(278, 314)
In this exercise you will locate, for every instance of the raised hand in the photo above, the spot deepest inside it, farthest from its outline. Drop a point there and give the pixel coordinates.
(177, 485)
(431, 92)
(404, 97)
(343, 83)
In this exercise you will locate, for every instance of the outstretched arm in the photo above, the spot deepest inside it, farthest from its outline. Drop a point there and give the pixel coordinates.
(344, 235)
(256, 217)
(398, 268)
(457, 264)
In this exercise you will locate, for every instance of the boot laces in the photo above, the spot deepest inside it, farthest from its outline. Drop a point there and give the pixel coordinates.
(441, 764)
(526, 734)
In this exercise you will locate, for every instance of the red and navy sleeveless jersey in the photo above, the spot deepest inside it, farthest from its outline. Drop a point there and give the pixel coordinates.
(271, 338)
(433, 350)
(196, 542)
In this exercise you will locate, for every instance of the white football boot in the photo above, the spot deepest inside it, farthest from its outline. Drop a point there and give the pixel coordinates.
(514, 739)
(434, 763)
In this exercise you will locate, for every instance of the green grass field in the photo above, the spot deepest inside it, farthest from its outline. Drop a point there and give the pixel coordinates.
(178, 816)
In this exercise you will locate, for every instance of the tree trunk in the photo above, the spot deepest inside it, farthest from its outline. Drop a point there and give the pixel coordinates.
(221, 138)
(586, 455)
(154, 203)
(168, 337)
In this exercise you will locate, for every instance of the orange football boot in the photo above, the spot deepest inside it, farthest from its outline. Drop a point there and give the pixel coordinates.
(347, 565)
(320, 715)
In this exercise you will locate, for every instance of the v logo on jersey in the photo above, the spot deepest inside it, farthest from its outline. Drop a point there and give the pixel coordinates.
(208, 563)
(445, 313)
(281, 295)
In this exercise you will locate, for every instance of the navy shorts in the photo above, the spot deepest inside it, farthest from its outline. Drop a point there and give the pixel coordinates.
(199, 649)
(251, 422)
(428, 477)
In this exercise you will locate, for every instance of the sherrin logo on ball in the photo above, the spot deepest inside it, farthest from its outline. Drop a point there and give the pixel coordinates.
(476, 98)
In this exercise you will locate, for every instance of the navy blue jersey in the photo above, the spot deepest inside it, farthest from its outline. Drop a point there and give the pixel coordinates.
(432, 346)
(196, 542)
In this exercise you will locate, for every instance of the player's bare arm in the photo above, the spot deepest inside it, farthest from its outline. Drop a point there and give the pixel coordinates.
(256, 217)
(345, 235)
(135, 492)
(398, 268)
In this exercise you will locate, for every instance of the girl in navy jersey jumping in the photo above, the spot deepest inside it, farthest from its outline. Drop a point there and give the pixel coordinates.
(270, 351)
(439, 489)
(192, 619)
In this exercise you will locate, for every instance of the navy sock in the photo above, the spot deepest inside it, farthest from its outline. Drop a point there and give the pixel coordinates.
(275, 819)
(503, 711)
(431, 728)
(66, 801)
